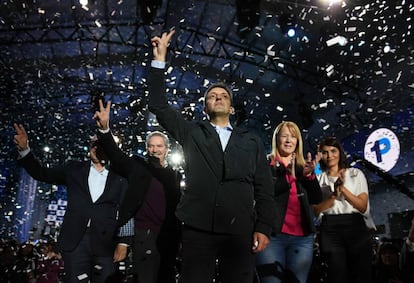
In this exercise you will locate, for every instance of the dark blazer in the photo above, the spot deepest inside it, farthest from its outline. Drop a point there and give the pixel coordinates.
(80, 208)
(309, 193)
(139, 173)
(226, 192)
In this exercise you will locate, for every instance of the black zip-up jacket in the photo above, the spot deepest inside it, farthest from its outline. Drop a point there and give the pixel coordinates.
(309, 193)
(226, 192)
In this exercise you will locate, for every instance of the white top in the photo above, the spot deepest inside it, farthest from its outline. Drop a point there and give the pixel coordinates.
(356, 183)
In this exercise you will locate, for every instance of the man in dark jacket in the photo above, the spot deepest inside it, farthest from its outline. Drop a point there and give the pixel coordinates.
(88, 237)
(156, 237)
(226, 208)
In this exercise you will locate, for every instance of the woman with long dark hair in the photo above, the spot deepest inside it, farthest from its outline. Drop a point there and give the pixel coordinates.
(345, 239)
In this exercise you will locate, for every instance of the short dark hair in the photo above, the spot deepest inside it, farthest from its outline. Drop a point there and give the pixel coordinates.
(220, 85)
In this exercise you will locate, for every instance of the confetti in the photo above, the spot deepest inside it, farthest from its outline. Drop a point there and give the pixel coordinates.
(346, 56)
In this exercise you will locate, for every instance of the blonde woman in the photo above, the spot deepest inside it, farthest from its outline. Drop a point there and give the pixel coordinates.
(290, 251)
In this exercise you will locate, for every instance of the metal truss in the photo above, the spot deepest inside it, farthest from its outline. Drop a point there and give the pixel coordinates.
(131, 37)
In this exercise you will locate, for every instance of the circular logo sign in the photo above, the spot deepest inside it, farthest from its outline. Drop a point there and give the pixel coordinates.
(382, 149)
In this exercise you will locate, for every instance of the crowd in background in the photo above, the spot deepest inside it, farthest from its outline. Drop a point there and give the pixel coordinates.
(38, 261)
(30, 262)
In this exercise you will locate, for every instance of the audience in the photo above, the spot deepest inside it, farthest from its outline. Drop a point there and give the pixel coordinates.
(32, 260)
(37, 261)
(49, 264)
(407, 256)
(386, 268)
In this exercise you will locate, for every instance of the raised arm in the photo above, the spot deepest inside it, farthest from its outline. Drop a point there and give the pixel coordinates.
(171, 119)
(120, 162)
(102, 116)
(20, 138)
(54, 175)
(160, 45)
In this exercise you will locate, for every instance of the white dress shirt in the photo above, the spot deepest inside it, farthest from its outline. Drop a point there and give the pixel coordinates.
(96, 182)
(224, 134)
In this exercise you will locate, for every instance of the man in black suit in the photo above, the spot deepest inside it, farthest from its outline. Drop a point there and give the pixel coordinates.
(227, 206)
(88, 237)
(156, 237)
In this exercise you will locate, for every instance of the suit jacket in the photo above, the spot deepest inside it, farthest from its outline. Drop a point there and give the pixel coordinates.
(226, 192)
(80, 208)
(139, 173)
(308, 190)
(136, 173)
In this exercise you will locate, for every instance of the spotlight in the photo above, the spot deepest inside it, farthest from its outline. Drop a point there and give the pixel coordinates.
(287, 24)
(291, 32)
(176, 158)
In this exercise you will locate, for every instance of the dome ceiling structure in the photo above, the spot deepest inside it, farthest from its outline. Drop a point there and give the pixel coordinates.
(349, 67)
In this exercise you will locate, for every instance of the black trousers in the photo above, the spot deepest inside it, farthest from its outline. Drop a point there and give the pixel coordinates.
(146, 257)
(207, 255)
(346, 246)
(81, 265)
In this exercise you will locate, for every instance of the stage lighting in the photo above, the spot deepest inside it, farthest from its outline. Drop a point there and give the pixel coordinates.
(287, 23)
(291, 32)
(176, 158)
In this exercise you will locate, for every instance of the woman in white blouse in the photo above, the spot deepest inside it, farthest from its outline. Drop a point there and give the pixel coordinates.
(345, 240)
